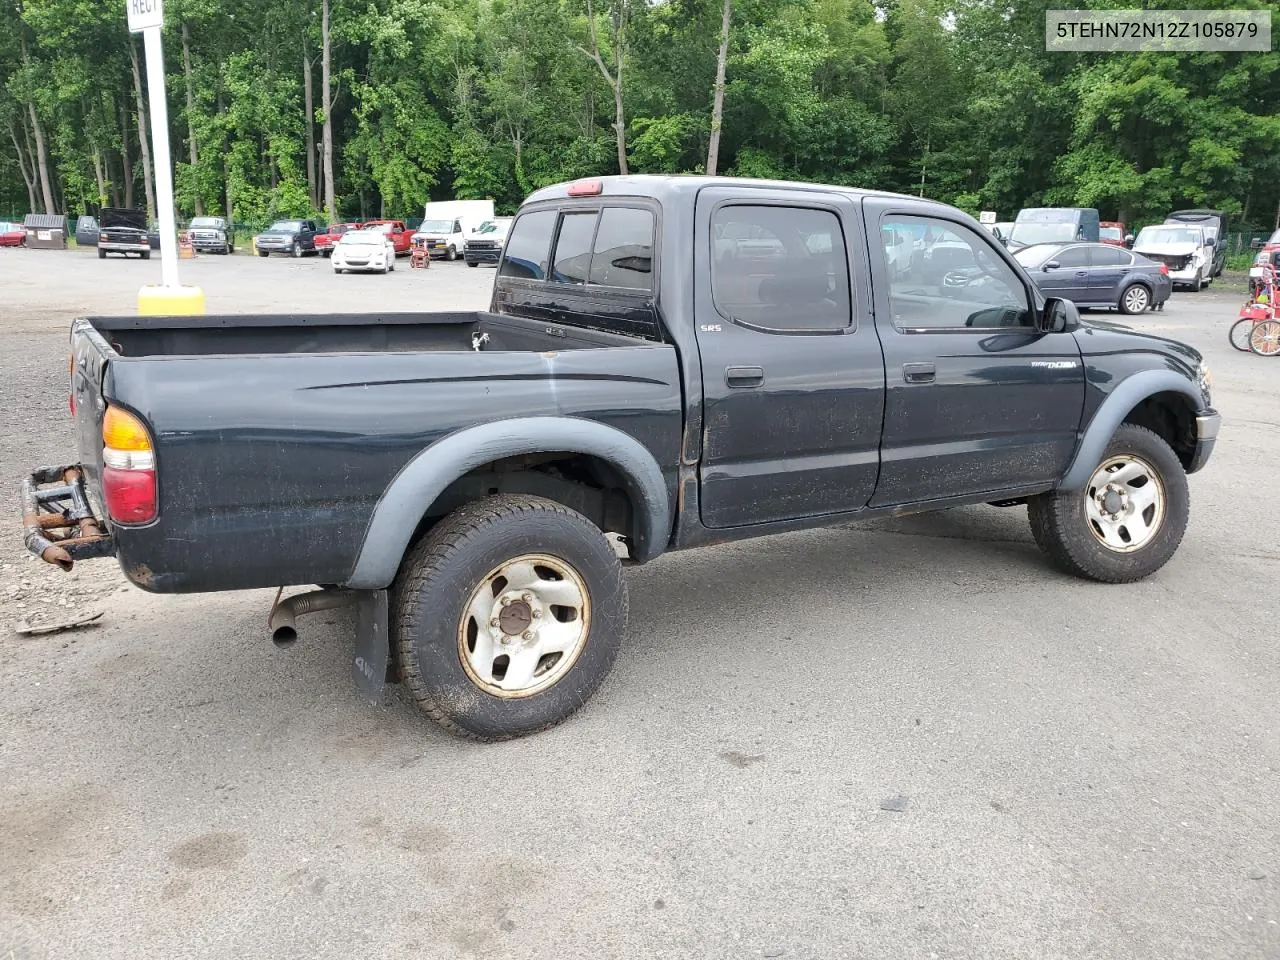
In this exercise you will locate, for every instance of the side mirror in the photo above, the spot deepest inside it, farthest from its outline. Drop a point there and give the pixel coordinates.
(1058, 316)
(1128, 239)
(1051, 265)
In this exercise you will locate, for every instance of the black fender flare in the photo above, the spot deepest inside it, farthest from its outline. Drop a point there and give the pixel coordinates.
(1108, 417)
(429, 473)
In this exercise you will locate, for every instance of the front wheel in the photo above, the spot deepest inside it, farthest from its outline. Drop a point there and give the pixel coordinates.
(1264, 339)
(470, 264)
(1239, 335)
(1135, 299)
(264, 253)
(450, 254)
(102, 254)
(297, 250)
(507, 616)
(1127, 521)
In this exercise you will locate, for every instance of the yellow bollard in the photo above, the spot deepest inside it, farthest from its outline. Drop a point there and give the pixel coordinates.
(170, 301)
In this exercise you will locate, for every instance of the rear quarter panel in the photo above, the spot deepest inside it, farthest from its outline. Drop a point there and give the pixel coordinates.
(269, 467)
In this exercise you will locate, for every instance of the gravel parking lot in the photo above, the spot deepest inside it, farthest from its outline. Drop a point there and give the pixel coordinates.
(905, 739)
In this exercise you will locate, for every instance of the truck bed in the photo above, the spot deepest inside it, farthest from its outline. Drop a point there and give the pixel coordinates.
(229, 335)
(277, 436)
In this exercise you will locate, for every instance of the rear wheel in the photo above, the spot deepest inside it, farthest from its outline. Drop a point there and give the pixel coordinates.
(1239, 335)
(507, 616)
(1135, 299)
(1264, 339)
(1127, 521)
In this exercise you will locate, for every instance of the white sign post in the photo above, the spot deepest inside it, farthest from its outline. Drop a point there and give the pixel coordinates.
(147, 17)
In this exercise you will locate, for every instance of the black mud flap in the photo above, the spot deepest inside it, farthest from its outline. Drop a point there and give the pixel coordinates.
(371, 662)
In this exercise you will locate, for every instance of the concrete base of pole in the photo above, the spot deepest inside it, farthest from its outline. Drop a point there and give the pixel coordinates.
(170, 301)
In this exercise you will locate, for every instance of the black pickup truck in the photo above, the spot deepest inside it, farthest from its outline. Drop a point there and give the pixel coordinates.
(294, 237)
(667, 362)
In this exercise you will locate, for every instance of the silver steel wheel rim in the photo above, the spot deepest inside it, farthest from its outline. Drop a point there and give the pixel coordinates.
(1264, 339)
(524, 626)
(1135, 299)
(1125, 503)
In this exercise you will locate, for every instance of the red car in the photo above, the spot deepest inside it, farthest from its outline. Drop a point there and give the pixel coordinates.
(400, 237)
(1113, 232)
(326, 240)
(12, 234)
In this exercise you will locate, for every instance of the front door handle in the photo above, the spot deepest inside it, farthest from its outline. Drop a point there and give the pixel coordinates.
(918, 372)
(1082, 273)
(744, 376)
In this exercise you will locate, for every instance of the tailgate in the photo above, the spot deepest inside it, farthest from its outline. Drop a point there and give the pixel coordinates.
(90, 357)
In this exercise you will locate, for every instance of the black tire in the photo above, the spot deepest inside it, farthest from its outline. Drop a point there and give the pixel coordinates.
(1062, 529)
(147, 255)
(102, 254)
(1134, 299)
(1239, 334)
(437, 580)
(470, 264)
(264, 253)
(450, 254)
(297, 250)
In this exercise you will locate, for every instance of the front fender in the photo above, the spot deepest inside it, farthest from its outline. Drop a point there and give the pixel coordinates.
(430, 473)
(1108, 417)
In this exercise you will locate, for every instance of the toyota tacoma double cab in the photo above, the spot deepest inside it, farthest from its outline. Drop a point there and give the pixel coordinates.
(666, 363)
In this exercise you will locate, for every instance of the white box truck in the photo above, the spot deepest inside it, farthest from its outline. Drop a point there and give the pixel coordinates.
(445, 224)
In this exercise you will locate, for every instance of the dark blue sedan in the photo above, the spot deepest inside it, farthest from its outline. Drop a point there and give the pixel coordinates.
(1097, 275)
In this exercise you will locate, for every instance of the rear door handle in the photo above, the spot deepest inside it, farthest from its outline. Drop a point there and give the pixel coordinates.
(744, 376)
(918, 372)
(1082, 273)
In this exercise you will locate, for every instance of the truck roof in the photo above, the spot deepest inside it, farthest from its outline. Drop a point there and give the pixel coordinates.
(669, 186)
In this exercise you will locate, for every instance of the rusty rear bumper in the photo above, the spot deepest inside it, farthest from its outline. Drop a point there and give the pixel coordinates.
(58, 524)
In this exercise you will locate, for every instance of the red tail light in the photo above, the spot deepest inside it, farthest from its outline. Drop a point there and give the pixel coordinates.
(1164, 268)
(128, 468)
(130, 494)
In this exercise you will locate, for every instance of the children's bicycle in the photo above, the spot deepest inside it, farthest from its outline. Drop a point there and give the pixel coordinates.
(1258, 329)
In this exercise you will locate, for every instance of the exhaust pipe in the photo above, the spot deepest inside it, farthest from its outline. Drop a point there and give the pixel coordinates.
(284, 613)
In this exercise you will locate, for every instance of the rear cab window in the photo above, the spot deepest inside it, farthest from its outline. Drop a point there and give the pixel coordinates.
(602, 256)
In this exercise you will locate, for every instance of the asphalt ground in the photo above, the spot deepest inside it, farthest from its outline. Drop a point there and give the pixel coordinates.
(906, 739)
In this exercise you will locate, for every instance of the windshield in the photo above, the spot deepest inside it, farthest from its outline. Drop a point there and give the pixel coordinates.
(1043, 232)
(286, 225)
(1169, 236)
(1110, 233)
(213, 222)
(375, 236)
(436, 226)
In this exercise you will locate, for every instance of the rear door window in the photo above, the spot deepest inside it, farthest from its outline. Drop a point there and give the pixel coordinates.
(528, 246)
(782, 269)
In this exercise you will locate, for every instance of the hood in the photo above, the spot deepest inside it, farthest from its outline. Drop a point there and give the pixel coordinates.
(1170, 249)
(1097, 337)
(122, 217)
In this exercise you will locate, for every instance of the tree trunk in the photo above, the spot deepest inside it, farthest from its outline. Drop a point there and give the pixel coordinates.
(125, 159)
(99, 170)
(143, 143)
(717, 106)
(924, 159)
(614, 79)
(309, 104)
(326, 133)
(191, 112)
(28, 175)
(42, 160)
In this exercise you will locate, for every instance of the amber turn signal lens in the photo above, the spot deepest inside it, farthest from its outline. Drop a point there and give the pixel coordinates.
(123, 431)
